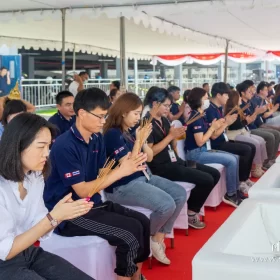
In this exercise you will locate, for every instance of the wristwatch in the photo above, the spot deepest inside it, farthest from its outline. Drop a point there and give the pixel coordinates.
(53, 222)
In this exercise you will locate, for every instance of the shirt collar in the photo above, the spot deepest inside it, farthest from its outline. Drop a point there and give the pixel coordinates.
(78, 135)
(62, 117)
(215, 106)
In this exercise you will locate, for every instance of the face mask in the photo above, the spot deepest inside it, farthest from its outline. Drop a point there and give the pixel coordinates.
(206, 104)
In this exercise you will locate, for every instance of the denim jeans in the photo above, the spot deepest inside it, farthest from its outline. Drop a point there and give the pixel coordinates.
(229, 161)
(36, 264)
(164, 198)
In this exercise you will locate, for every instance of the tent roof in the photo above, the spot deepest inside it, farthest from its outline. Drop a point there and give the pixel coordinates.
(154, 27)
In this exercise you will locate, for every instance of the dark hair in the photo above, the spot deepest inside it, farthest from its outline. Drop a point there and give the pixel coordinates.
(117, 84)
(173, 89)
(159, 95)
(90, 99)
(205, 84)
(242, 87)
(17, 137)
(4, 68)
(12, 107)
(233, 100)
(261, 86)
(149, 94)
(272, 83)
(126, 103)
(61, 95)
(186, 94)
(219, 88)
(82, 73)
(195, 96)
(113, 92)
(249, 82)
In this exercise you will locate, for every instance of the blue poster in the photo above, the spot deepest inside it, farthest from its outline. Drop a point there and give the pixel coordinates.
(10, 74)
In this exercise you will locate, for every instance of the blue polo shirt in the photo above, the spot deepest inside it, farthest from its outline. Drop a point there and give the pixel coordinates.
(215, 112)
(61, 122)
(118, 144)
(277, 101)
(175, 110)
(73, 161)
(258, 101)
(200, 125)
(250, 111)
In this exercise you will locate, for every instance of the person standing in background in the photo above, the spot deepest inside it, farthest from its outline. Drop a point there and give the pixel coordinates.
(5, 81)
(78, 84)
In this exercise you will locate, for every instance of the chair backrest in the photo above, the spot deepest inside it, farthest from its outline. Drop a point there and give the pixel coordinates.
(180, 143)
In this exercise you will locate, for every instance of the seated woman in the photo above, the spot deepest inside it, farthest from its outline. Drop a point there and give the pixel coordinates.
(24, 151)
(167, 164)
(188, 109)
(164, 198)
(11, 109)
(147, 100)
(239, 131)
(114, 95)
(198, 147)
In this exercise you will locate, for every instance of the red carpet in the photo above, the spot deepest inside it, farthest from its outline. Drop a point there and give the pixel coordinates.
(186, 247)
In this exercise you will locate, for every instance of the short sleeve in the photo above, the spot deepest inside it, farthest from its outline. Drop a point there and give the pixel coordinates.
(68, 164)
(197, 126)
(7, 232)
(151, 138)
(116, 146)
(210, 116)
(174, 109)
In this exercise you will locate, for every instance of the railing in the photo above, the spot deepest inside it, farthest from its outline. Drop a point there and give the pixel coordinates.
(42, 92)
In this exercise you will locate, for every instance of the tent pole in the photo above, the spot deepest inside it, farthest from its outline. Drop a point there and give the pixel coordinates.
(226, 61)
(63, 48)
(74, 58)
(122, 54)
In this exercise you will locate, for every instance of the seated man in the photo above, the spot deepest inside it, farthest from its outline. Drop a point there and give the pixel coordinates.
(76, 158)
(176, 110)
(65, 116)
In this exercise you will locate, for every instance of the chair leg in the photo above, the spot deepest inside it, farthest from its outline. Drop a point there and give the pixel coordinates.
(187, 232)
(172, 243)
(150, 262)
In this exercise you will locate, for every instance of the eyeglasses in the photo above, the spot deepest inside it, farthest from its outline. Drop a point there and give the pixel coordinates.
(100, 117)
(167, 106)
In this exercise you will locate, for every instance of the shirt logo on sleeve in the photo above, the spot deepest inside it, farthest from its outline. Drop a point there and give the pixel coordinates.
(197, 127)
(118, 150)
(72, 174)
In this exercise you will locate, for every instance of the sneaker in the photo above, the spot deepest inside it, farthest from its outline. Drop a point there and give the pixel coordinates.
(244, 188)
(233, 200)
(267, 165)
(163, 245)
(242, 195)
(195, 222)
(249, 183)
(158, 252)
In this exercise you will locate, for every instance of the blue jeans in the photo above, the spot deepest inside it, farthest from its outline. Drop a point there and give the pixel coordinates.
(229, 161)
(163, 197)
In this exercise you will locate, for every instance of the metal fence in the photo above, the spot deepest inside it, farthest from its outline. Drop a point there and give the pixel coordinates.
(42, 92)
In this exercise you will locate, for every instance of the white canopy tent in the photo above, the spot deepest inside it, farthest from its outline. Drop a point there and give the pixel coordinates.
(153, 27)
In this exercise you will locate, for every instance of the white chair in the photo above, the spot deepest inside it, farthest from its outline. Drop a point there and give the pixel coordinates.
(245, 247)
(91, 254)
(268, 185)
(216, 196)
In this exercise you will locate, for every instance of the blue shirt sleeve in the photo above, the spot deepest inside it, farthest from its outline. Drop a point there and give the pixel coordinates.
(197, 126)
(68, 165)
(174, 108)
(115, 143)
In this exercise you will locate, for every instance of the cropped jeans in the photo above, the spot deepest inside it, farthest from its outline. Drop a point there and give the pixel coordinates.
(229, 161)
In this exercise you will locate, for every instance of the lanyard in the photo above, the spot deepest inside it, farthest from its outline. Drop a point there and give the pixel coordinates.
(218, 110)
(161, 128)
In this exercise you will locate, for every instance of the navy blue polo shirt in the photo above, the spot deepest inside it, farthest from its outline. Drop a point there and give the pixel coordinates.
(118, 144)
(61, 122)
(175, 110)
(258, 101)
(73, 161)
(215, 112)
(200, 125)
(3, 86)
(250, 111)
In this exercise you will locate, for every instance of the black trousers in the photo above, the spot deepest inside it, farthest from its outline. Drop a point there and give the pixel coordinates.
(245, 151)
(126, 229)
(204, 177)
(36, 264)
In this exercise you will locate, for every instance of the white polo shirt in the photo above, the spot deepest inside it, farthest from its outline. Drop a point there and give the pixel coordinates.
(18, 216)
(73, 88)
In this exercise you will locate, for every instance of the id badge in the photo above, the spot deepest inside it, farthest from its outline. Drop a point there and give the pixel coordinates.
(208, 145)
(261, 119)
(225, 136)
(172, 154)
